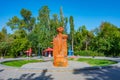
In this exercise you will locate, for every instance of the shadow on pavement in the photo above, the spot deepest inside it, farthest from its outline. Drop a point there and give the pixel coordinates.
(29, 76)
(1, 70)
(99, 74)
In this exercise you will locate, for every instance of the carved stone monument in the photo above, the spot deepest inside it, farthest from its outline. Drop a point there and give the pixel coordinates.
(60, 49)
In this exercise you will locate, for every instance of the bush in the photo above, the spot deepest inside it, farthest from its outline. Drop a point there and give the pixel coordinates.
(88, 53)
(8, 57)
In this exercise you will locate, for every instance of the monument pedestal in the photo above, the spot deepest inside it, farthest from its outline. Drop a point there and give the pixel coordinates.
(60, 61)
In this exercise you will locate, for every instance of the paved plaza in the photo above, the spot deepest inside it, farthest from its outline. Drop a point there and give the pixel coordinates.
(46, 71)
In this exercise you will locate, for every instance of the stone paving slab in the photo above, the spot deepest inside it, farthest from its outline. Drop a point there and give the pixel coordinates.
(49, 65)
(35, 67)
(86, 73)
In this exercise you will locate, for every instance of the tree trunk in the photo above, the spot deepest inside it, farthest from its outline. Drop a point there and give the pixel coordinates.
(72, 45)
(86, 45)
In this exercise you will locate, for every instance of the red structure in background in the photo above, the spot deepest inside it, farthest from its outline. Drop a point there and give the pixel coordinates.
(49, 49)
(29, 52)
(48, 52)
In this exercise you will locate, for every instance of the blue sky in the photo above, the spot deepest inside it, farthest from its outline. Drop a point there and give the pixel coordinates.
(85, 12)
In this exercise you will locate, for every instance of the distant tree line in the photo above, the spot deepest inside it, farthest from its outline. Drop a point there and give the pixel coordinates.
(38, 32)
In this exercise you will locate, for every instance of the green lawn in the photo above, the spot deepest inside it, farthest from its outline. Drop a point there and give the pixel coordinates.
(19, 63)
(96, 62)
(93, 62)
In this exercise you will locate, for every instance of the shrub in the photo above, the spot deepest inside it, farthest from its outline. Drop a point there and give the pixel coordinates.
(88, 53)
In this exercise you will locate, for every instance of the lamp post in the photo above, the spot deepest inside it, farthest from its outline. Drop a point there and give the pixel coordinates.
(70, 51)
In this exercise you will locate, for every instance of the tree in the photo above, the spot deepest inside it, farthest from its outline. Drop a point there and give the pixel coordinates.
(14, 23)
(61, 17)
(71, 21)
(4, 31)
(83, 38)
(65, 25)
(44, 26)
(54, 24)
(2, 36)
(27, 23)
(18, 46)
(77, 40)
(38, 34)
(107, 39)
(63, 20)
(4, 46)
(44, 17)
(4, 42)
(19, 34)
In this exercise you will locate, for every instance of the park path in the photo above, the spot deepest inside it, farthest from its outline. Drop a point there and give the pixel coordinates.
(10, 73)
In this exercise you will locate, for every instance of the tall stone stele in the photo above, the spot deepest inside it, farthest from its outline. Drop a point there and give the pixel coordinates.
(60, 49)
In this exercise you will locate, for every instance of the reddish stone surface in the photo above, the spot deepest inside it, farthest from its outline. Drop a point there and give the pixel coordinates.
(60, 49)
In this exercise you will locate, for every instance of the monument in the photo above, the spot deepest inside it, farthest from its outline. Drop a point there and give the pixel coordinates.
(60, 49)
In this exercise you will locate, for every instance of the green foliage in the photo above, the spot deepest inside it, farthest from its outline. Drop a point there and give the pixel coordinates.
(19, 45)
(65, 25)
(61, 17)
(44, 28)
(71, 21)
(88, 53)
(107, 40)
(19, 34)
(96, 62)
(4, 48)
(29, 32)
(44, 17)
(4, 31)
(2, 36)
(4, 42)
(26, 14)
(83, 39)
(14, 23)
(63, 21)
(26, 23)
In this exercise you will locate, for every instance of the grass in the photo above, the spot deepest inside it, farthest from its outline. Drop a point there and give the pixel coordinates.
(93, 62)
(19, 63)
(96, 62)
(71, 59)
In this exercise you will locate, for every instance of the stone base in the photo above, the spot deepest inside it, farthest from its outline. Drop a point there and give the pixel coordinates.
(60, 61)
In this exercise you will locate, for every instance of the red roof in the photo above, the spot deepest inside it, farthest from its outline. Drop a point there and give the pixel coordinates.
(48, 49)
